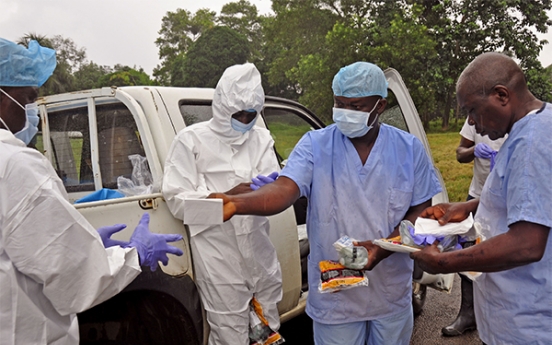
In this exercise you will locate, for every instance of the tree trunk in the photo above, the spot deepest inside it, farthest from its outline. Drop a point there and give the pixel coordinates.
(446, 113)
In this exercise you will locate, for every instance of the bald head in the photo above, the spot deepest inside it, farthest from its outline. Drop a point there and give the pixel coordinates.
(488, 70)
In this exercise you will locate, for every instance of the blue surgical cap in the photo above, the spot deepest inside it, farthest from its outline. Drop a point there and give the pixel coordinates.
(21, 67)
(360, 79)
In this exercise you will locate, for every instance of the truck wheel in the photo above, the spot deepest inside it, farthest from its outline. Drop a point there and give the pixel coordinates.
(154, 309)
(419, 293)
(137, 317)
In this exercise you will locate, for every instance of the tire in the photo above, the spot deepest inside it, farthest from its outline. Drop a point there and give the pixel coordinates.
(154, 309)
(419, 294)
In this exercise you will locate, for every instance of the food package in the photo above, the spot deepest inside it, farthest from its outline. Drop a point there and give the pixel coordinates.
(351, 256)
(260, 332)
(336, 277)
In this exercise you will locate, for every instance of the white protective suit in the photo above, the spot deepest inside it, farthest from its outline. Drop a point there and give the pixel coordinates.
(236, 260)
(52, 261)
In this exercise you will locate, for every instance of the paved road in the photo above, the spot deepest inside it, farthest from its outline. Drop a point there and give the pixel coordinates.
(439, 311)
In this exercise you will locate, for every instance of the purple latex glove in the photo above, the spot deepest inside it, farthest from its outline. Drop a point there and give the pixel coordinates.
(261, 180)
(423, 240)
(106, 232)
(153, 247)
(493, 155)
(483, 150)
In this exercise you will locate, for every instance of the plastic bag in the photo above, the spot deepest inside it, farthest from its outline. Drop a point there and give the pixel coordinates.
(409, 238)
(335, 277)
(260, 332)
(141, 181)
(102, 194)
(351, 256)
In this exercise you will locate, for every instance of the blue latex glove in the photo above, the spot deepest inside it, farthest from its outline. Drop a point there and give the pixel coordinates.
(261, 180)
(483, 150)
(153, 247)
(106, 232)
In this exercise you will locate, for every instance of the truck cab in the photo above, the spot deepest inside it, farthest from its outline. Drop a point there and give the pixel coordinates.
(88, 136)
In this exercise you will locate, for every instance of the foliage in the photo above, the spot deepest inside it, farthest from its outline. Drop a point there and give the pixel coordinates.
(125, 76)
(73, 72)
(465, 29)
(243, 18)
(89, 74)
(179, 30)
(206, 60)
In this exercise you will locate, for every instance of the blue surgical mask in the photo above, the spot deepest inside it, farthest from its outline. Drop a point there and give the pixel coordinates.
(242, 127)
(31, 124)
(353, 123)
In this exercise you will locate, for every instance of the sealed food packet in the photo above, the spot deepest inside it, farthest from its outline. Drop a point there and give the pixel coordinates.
(335, 277)
(351, 256)
(260, 332)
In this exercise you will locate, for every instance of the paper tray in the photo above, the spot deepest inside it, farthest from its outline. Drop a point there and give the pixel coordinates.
(394, 247)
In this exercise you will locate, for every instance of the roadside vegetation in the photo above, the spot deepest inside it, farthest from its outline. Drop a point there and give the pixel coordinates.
(443, 146)
(301, 44)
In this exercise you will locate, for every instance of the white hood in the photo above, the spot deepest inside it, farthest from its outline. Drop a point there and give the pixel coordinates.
(238, 89)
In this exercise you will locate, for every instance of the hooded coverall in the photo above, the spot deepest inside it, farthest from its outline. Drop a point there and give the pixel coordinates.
(236, 260)
(52, 261)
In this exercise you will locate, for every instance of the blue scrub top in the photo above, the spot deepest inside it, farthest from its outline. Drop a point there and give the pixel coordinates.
(365, 202)
(518, 189)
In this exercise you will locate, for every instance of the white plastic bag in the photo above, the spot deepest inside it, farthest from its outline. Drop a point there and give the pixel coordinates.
(141, 181)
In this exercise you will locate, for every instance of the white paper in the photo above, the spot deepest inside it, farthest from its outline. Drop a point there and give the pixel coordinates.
(203, 211)
(426, 226)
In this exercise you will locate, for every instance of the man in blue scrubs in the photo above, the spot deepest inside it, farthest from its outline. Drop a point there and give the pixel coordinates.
(513, 296)
(361, 179)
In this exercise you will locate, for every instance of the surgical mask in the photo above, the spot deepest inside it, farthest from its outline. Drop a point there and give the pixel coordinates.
(31, 122)
(353, 123)
(242, 127)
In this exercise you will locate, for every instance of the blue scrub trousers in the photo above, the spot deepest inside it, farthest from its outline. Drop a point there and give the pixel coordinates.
(393, 330)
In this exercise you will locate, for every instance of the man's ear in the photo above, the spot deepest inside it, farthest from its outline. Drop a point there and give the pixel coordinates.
(381, 106)
(502, 94)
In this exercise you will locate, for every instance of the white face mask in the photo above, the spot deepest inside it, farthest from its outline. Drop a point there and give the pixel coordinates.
(353, 123)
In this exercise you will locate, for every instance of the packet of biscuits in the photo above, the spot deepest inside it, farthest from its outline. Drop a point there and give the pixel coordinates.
(336, 277)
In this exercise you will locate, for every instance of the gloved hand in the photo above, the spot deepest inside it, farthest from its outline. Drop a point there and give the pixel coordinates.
(152, 247)
(483, 150)
(261, 180)
(106, 232)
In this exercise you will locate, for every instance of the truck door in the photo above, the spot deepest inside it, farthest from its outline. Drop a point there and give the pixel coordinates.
(88, 137)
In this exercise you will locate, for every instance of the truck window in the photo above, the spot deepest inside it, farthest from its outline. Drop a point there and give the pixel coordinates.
(196, 112)
(71, 145)
(286, 127)
(393, 115)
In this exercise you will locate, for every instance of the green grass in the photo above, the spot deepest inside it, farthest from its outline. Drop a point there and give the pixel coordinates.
(286, 136)
(457, 176)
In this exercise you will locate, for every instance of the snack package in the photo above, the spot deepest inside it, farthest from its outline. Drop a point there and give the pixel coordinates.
(335, 277)
(260, 332)
(351, 256)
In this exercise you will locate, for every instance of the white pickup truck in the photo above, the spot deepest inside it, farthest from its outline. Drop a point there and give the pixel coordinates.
(88, 137)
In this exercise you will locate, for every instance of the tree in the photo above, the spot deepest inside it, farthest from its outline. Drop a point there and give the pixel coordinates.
(178, 31)
(125, 76)
(288, 37)
(214, 51)
(388, 34)
(243, 18)
(89, 74)
(465, 29)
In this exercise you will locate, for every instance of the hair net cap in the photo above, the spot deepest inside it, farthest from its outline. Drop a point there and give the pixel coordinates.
(360, 79)
(20, 67)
